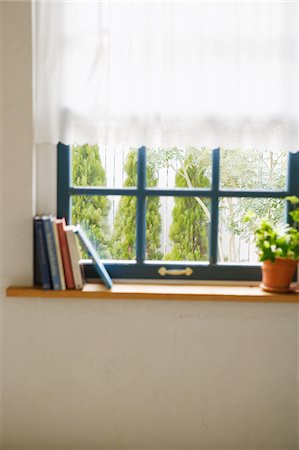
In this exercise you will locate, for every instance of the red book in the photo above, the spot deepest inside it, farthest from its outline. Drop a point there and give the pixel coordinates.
(68, 273)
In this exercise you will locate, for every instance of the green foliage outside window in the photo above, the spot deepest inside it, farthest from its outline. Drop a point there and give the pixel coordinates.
(123, 242)
(249, 170)
(190, 215)
(91, 211)
(188, 231)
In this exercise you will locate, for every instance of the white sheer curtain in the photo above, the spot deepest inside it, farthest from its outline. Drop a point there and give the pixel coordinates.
(167, 73)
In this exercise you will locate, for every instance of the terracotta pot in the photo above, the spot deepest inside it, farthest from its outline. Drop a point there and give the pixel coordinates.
(277, 275)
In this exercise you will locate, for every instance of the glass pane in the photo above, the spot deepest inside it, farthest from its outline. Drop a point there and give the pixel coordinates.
(253, 169)
(110, 223)
(177, 228)
(169, 168)
(236, 241)
(94, 165)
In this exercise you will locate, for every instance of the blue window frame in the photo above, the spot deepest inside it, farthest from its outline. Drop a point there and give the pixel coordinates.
(142, 269)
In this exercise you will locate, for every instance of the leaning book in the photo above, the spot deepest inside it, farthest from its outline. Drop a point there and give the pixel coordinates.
(99, 266)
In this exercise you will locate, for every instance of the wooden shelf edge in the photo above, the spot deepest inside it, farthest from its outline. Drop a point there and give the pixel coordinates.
(127, 291)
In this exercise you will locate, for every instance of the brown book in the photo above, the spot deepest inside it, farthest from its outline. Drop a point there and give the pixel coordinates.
(68, 273)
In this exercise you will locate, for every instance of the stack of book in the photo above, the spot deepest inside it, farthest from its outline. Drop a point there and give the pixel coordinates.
(57, 255)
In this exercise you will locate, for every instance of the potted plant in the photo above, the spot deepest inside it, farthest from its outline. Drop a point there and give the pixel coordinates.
(278, 249)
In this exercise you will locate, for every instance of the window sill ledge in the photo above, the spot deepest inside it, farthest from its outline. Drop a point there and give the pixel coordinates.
(132, 291)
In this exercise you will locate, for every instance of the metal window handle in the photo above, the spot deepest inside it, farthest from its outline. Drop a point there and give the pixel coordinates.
(163, 271)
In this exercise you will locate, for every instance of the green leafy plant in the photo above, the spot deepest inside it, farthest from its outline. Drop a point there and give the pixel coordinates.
(294, 200)
(273, 241)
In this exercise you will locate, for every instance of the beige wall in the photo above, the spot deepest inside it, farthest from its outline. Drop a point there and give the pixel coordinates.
(128, 375)
(1, 209)
(16, 151)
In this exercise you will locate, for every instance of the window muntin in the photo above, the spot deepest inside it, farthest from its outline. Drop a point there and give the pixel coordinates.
(218, 264)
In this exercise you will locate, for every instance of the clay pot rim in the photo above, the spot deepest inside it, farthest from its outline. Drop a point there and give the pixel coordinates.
(280, 258)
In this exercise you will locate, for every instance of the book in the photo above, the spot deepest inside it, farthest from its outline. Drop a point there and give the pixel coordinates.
(41, 263)
(37, 280)
(99, 266)
(58, 253)
(65, 254)
(52, 254)
(74, 256)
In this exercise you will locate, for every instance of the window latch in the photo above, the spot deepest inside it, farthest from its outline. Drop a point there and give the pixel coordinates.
(174, 272)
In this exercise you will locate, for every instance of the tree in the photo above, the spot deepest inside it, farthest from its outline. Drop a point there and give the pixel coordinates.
(153, 216)
(248, 170)
(123, 242)
(91, 212)
(190, 215)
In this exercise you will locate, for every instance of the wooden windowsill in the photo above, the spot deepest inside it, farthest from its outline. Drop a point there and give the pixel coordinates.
(134, 291)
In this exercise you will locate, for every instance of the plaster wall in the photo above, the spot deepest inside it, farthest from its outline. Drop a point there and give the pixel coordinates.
(1, 291)
(125, 374)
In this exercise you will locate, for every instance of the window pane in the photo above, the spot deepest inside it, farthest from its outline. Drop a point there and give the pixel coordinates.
(177, 228)
(253, 169)
(236, 241)
(169, 168)
(94, 165)
(110, 223)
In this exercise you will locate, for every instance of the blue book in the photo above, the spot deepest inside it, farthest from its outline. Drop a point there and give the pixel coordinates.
(41, 262)
(52, 254)
(99, 266)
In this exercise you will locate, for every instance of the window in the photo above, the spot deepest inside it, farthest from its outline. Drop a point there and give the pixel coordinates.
(170, 74)
(153, 211)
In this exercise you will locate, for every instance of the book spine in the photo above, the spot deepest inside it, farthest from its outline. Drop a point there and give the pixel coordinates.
(75, 258)
(41, 253)
(41, 263)
(58, 253)
(47, 222)
(37, 280)
(69, 279)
